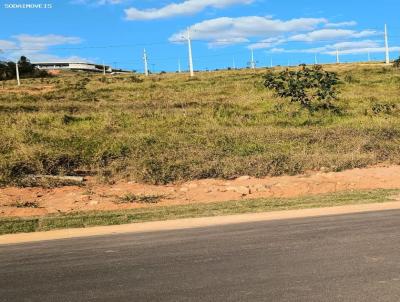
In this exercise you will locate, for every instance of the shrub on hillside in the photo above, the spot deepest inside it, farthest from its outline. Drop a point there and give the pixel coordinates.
(313, 88)
(135, 79)
(384, 108)
(7, 70)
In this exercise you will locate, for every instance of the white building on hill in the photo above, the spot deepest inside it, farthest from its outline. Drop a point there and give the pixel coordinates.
(77, 66)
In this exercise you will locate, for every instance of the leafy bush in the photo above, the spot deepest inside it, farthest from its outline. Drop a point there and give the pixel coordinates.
(313, 88)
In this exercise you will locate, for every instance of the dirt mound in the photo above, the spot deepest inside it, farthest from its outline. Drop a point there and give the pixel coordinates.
(127, 195)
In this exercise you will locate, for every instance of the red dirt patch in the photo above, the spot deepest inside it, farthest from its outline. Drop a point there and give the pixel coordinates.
(94, 196)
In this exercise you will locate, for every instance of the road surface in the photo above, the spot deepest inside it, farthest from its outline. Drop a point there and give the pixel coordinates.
(352, 257)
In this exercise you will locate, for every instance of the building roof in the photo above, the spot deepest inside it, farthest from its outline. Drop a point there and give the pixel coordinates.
(66, 63)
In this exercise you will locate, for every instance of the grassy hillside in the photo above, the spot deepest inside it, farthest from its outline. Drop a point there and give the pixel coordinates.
(168, 128)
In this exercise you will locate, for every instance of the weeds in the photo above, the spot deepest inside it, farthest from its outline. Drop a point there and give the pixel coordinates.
(384, 108)
(133, 198)
(26, 204)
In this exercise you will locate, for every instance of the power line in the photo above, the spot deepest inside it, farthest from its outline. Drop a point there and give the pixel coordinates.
(177, 42)
(92, 47)
(200, 58)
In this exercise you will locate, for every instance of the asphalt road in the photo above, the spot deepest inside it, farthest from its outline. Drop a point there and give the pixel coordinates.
(337, 258)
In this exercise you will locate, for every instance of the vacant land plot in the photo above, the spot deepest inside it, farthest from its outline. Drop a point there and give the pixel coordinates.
(169, 128)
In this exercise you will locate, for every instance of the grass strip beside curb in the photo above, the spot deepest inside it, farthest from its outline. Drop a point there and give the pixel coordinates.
(158, 213)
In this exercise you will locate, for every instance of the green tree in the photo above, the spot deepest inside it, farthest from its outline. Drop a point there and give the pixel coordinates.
(7, 70)
(25, 66)
(313, 88)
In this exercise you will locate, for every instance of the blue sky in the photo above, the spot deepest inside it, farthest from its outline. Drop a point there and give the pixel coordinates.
(116, 31)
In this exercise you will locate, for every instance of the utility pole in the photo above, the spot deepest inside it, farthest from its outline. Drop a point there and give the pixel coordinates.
(189, 41)
(337, 56)
(146, 67)
(17, 73)
(252, 62)
(387, 55)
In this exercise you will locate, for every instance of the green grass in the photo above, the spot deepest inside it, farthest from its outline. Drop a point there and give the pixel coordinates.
(156, 213)
(169, 128)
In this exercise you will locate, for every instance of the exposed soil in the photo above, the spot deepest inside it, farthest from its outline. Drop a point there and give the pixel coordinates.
(24, 202)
